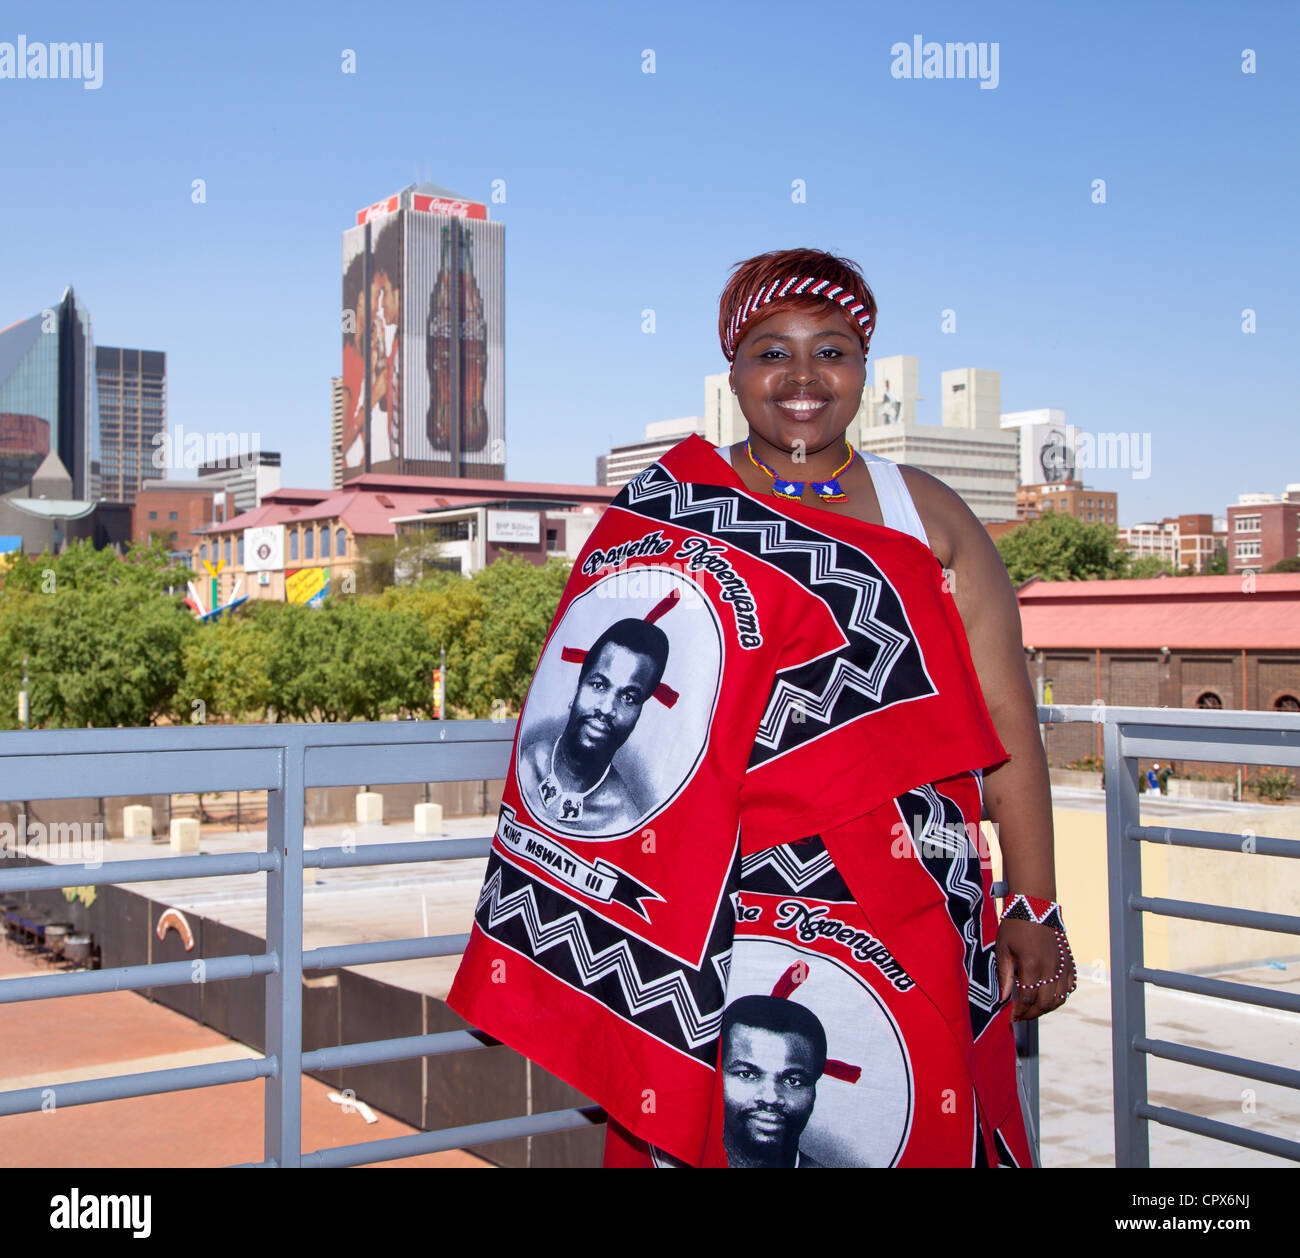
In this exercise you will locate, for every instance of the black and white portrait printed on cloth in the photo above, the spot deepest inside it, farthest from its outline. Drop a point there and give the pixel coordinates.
(617, 718)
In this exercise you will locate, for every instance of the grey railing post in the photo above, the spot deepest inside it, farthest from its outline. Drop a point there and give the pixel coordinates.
(1127, 995)
(284, 821)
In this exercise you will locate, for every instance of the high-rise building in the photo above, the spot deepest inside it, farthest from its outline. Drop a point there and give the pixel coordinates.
(968, 451)
(248, 477)
(424, 338)
(132, 386)
(336, 432)
(624, 462)
(48, 392)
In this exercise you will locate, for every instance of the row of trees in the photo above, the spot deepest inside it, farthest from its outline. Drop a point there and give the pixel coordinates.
(108, 642)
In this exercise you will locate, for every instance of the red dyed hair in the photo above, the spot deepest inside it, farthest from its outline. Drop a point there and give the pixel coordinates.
(753, 275)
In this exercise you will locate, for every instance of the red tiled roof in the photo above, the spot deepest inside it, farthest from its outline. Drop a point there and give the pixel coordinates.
(1209, 613)
(369, 511)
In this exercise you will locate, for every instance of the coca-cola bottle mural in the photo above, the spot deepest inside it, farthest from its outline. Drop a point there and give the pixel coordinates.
(473, 348)
(440, 350)
(456, 348)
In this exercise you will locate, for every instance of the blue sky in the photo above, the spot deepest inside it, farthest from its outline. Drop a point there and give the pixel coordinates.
(627, 191)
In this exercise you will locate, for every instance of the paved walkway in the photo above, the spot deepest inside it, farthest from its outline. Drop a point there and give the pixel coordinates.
(48, 1042)
(1076, 1080)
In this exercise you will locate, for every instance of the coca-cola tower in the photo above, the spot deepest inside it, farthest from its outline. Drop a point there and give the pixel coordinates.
(447, 342)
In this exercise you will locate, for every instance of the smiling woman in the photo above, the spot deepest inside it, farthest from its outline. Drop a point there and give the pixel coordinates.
(753, 920)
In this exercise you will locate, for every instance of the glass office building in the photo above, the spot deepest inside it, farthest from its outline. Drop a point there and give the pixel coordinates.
(132, 387)
(49, 397)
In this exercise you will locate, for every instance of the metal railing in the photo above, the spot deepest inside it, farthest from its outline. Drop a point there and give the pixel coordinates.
(1164, 734)
(286, 760)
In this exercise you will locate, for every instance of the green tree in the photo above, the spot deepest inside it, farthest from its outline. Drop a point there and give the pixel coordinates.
(103, 656)
(225, 671)
(1143, 566)
(1057, 547)
(1290, 564)
(146, 568)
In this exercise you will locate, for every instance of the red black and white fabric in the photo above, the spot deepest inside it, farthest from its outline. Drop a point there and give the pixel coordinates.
(789, 821)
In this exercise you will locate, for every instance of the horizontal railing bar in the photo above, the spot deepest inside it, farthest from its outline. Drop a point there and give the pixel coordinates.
(1218, 988)
(385, 950)
(83, 773)
(1194, 718)
(35, 743)
(147, 1083)
(1220, 914)
(395, 853)
(455, 1137)
(149, 869)
(402, 1049)
(406, 762)
(1228, 1132)
(132, 977)
(1264, 1071)
(1281, 749)
(1215, 840)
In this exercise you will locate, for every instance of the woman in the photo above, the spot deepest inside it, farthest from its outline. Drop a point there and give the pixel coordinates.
(785, 953)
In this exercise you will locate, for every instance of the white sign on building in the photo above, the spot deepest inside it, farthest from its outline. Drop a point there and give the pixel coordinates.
(264, 548)
(513, 526)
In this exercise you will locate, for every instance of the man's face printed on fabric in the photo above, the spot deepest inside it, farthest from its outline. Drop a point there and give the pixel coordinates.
(768, 1090)
(608, 702)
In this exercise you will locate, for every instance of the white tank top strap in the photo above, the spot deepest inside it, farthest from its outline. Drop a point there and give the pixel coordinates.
(896, 505)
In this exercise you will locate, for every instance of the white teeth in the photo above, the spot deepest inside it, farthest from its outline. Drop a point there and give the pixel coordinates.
(802, 405)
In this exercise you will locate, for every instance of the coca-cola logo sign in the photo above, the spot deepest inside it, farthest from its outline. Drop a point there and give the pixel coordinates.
(448, 206)
(380, 208)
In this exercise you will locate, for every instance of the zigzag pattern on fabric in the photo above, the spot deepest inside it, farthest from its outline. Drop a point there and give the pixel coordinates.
(946, 853)
(810, 698)
(800, 868)
(559, 939)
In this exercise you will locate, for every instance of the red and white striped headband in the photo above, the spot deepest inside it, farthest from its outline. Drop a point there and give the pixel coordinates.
(795, 286)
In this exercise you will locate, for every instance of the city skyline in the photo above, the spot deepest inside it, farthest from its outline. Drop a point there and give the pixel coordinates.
(971, 207)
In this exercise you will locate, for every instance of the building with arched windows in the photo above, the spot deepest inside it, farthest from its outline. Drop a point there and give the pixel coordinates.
(302, 545)
(1177, 642)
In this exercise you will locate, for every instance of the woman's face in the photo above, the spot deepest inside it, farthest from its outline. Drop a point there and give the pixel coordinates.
(799, 377)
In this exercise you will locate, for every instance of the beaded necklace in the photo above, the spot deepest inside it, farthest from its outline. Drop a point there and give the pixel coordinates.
(828, 490)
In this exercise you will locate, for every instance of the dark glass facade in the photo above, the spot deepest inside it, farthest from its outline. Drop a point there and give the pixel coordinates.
(49, 398)
(132, 388)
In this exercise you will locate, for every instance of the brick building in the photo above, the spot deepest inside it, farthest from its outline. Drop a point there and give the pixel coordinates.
(1185, 542)
(1263, 530)
(1178, 642)
(1069, 497)
(178, 511)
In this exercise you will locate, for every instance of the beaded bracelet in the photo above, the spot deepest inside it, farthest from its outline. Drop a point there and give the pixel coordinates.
(1031, 908)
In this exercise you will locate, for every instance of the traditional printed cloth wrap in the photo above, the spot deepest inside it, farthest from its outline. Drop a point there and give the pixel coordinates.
(787, 813)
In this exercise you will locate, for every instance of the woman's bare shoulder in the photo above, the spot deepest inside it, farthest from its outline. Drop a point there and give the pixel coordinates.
(940, 508)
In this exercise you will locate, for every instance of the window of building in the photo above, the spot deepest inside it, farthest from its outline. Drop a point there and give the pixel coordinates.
(341, 542)
(1247, 523)
(325, 542)
(153, 515)
(227, 550)
(293, 544)
(1209, 700)
(171, 515)
(1287, 703)
(309, 544)
(1248, 550)
(552, 539)
(203, 552)
(239, 550)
